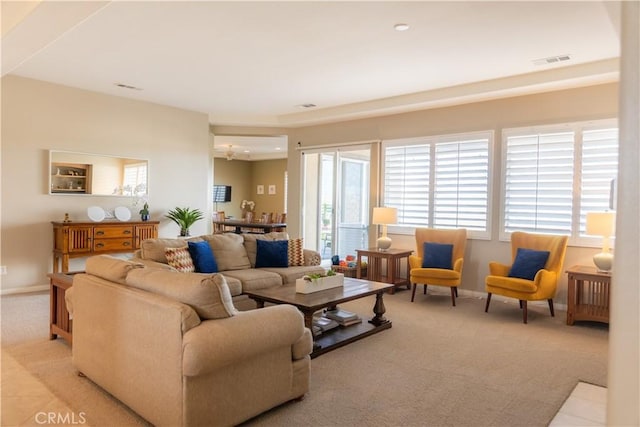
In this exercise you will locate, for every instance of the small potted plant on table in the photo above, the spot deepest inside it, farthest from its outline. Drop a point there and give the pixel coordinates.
(144, 212)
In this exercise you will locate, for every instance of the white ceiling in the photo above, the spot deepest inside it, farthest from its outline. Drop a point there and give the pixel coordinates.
(255, 63)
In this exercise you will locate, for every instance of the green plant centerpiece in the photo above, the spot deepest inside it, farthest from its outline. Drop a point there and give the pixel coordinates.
(317, 282)
(185, 218)
(314, 276)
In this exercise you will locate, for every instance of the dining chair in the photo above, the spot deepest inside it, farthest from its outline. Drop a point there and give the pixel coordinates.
(280, 219)
(218, 216)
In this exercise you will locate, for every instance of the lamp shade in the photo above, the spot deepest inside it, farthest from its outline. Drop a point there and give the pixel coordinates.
(385, 216)
(601, 223)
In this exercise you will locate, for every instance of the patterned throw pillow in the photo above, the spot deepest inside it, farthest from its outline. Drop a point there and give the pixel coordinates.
(180, 259)
(296, 252)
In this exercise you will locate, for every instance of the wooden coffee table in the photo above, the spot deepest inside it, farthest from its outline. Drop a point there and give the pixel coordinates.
(308, 304)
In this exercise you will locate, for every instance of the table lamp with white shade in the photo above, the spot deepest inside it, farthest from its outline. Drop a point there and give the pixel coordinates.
(384, 216)
(602, 224)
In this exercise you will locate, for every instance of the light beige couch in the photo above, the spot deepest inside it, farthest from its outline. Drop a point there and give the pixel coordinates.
(172, 347)
(235, 255)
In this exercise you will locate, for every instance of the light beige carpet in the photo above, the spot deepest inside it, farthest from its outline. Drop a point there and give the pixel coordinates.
(438, 366)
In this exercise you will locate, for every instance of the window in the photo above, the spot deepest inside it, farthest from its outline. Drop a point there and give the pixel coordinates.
(286, 191)
(539, 183)
(461, 185)
(554, 175)
(439, 181)
(135, 178)
(406, 182)
(599, 169)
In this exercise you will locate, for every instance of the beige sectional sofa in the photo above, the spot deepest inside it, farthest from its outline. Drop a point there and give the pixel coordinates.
(235, 255)
(174, 349)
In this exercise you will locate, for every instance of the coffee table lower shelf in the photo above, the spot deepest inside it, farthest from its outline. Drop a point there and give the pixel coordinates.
(309, 304)
(342, 336)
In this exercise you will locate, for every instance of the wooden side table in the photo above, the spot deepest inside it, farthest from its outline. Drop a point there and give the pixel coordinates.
(59, 321)
(349, 271)
(393, 258)
(588, 296)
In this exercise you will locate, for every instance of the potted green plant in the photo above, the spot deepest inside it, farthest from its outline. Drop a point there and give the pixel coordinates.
(144, 212)
(185, 218)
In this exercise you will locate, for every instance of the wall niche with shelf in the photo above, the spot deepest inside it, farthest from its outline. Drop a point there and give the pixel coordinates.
(70, 178)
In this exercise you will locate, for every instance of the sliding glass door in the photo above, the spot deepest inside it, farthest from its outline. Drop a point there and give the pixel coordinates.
(336, 200)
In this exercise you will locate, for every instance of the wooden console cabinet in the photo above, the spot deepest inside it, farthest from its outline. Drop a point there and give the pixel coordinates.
(83, 239)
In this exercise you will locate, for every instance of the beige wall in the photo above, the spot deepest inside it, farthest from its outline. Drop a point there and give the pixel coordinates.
(262, 172)
(38, 117)
(244, 177)
(266, 173)
(237, 174)
(595, 102)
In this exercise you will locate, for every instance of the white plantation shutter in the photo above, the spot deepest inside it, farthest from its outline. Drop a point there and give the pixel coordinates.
(554, 175)
(440, 181)
(461, 184)
(406, 182)
(135, 174)
(599, 168)
(539, 183)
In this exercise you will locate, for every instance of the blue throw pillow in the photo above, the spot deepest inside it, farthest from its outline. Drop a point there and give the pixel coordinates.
(437, 255)
(203, 258)
(527, 263)
(272, 253)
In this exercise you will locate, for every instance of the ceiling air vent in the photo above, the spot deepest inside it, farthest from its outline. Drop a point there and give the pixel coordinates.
(551, 60)
(124, 86)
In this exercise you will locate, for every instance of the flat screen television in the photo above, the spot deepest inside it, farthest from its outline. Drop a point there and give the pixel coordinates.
(221, 193)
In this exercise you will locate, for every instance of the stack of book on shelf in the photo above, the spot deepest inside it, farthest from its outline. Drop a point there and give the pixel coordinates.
(322, 324)
(343, 317)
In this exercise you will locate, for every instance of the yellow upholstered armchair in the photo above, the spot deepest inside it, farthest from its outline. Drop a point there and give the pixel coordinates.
(441, 263)
(533, 276)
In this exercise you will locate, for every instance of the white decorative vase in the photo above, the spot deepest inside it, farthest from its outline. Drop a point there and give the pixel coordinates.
(604, 261)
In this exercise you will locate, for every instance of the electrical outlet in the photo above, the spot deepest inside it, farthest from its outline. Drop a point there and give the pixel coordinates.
(3, 270)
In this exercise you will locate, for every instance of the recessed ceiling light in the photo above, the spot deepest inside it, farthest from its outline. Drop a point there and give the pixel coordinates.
(278, 148)
(246, 151)
(401, 27)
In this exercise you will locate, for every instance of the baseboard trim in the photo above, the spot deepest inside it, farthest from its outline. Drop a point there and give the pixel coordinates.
(24, 290)
(483, 295)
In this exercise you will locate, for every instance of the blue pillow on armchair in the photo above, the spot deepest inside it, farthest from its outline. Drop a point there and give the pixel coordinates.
(527, 263)
(272, 253)
(203, 258)
(437, 255)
